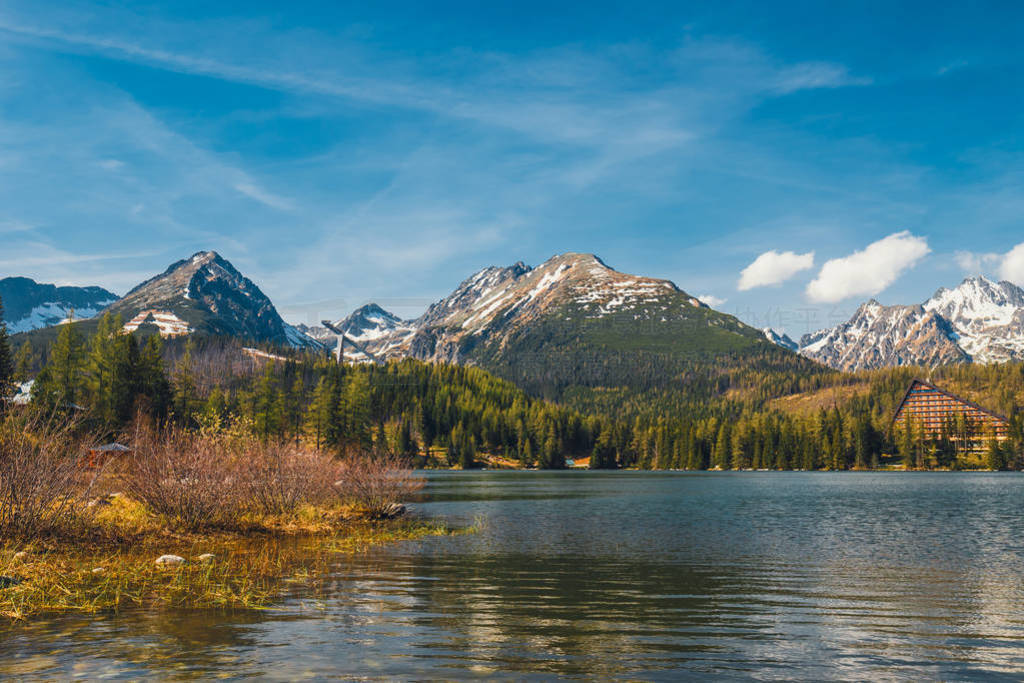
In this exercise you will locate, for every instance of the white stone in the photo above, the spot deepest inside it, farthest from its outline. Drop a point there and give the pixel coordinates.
(170, 560)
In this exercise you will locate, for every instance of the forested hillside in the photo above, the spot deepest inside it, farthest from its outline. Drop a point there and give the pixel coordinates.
(764, 409)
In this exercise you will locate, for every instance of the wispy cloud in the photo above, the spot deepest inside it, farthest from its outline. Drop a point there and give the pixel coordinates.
(253, 191)
(976, 264)
(448, 160)
(1007, 266)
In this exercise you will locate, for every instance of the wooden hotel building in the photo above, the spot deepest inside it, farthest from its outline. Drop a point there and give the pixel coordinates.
(929, 408)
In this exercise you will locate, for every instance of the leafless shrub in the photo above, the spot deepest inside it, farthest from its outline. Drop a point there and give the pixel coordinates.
(281, 477)
(41, 477)
(194, 480)
(202, 480)
(377, 485)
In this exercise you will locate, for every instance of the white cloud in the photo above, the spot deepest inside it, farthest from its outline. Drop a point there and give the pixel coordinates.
(1008, 266)
(1012, 266)
(712, 300)
(976, 264)
(773, 267)
(869, 271)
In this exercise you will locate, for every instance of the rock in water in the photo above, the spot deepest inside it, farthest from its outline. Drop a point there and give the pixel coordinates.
(170, 560)
(394, 510)
(99, 570)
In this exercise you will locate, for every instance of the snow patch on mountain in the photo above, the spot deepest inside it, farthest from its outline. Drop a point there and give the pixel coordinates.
(166, 322)
(495, 303)
(54, 313)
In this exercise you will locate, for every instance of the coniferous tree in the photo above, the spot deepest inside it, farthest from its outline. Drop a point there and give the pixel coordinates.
(59, 384)
(23, 362)
(603, 457)
(154, 388)
(185, 395)
(265, 404)
(319, 411)
(7, 364)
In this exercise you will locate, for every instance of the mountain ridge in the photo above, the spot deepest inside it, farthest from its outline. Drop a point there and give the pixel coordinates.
(979, 321)
(31, 305)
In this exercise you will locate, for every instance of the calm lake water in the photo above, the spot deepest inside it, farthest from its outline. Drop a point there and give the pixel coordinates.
(655, 576)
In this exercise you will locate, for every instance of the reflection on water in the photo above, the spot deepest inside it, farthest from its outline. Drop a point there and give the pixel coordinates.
(630, 575)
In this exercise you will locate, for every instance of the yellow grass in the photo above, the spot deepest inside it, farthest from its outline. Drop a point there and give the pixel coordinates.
(250, 570)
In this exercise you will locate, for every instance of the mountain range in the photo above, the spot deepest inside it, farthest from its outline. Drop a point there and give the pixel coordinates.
(203, 294)
(571, 319)
(499, 305)
(979, 321)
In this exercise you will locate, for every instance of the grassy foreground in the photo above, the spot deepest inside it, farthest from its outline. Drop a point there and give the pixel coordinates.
(114, 566)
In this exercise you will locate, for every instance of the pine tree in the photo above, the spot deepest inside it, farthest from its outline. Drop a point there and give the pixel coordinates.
(23, 362)
(7, 365)
(154, 388)
(723, 447)
(467, 452)
(994, 455)
(101, 366)
(603, 456)
(185, 395)
(907, 444)
(319, 411)
(293, 407)
(357, 411)
(406, 445)
(265, 404)
(59, 384)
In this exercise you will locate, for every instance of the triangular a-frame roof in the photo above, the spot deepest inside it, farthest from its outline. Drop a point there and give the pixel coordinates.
(917, 381)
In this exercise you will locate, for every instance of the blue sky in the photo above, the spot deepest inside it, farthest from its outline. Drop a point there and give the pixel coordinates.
(339, 153)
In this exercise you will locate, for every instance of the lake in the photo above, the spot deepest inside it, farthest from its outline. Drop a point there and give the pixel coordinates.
(632, 575)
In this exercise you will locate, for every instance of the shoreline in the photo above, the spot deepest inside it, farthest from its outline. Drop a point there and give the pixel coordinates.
(117, 565)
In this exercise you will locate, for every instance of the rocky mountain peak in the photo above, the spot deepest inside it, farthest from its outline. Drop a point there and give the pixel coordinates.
(780, 338)
(206, 292)
(499, 304)
(979, 320)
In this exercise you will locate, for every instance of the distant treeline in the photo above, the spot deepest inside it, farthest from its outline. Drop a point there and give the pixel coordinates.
(755, 414)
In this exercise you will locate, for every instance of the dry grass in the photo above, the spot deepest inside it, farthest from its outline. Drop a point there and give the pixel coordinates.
(810, 403)
(247, 572)
(269, 512)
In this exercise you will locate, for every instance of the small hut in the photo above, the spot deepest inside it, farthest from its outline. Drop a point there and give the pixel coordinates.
(99, 455)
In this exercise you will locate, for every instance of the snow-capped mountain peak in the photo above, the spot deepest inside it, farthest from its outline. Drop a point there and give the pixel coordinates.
(979, 320)
(498, 304)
